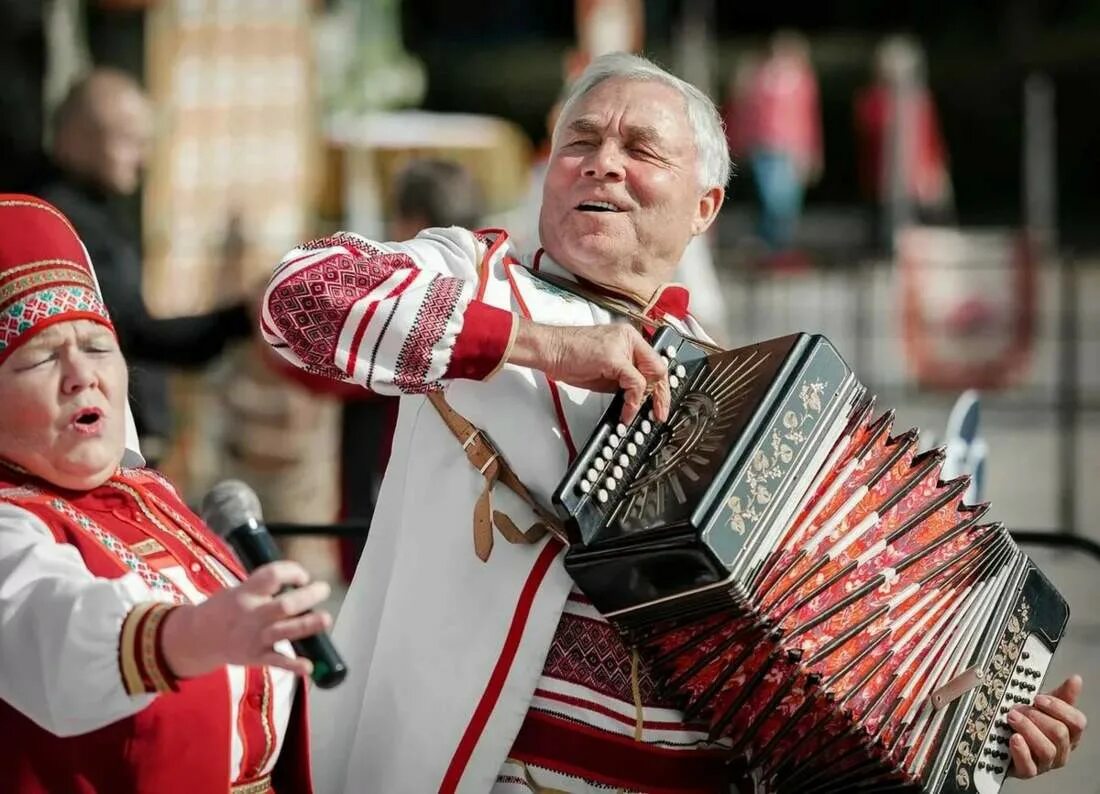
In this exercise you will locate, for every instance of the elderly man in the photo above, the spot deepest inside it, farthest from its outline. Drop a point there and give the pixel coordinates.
(477, 666)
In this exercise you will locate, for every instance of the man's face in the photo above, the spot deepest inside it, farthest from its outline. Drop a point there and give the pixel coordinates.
(125, 130)
(622, 197)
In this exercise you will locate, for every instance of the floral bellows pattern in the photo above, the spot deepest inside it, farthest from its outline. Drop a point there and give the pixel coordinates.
(45, 274)
(857, 619)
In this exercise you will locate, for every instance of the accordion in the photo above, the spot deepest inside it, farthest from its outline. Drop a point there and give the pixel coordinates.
(801, 578)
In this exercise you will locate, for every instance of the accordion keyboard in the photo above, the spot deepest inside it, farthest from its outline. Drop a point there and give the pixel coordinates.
(1022, 687)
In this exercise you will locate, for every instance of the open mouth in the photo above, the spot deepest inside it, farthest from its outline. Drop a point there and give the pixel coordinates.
(598, 206)
(87, 420)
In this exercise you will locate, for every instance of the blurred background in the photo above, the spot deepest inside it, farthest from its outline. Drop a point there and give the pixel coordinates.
(917, 181)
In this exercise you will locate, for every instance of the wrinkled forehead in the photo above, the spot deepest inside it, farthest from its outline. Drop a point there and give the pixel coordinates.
(649, 108)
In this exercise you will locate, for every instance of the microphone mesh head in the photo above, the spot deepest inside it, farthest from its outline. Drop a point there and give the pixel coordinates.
(230, 504)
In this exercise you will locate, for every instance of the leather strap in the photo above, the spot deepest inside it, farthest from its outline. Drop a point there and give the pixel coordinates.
(613, 305)
(488, 461)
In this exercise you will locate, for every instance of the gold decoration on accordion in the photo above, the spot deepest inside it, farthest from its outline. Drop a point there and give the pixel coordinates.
(988, 697)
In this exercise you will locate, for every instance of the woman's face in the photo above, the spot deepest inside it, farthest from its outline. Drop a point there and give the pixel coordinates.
(63, 405)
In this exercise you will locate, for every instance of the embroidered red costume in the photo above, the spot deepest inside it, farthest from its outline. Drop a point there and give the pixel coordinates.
(88, 703)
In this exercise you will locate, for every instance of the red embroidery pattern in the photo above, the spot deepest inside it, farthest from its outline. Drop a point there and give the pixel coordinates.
(309, 306)
(590, 653)
(411, 369)
(353, 242)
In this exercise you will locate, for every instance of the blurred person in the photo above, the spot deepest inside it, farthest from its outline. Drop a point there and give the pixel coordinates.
(136, 655)
(477, 665)
(101, 138)
(776, 127)
(903, 166)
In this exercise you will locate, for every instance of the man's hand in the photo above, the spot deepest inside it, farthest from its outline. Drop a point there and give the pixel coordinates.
(600, 358)
(1046, 733)
(241, 625)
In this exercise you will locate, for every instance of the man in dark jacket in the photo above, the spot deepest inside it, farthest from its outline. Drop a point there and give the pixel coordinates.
(101, 138)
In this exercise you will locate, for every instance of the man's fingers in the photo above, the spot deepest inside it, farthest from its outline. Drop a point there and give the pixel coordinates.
(1067, 715)
(1069, 690)
(1023, 765)
(1042, 749)
(655, 371)
(1056, 731)
(633, 385)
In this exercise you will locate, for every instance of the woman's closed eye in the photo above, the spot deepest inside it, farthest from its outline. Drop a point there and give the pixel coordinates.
(36, 360)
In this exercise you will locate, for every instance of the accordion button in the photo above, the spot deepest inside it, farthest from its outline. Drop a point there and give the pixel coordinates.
(601, 495)
(649, 414)
(673, 381)
(592, 475)
(585, 486)
(617, 472)
(624, 460)
(610, 483)
(670, 351)
(631, 448)
(599, 463)
(607, 452)
(681, 370)
(613, 440)
(639, 437)
(646, 426)
(620, 429)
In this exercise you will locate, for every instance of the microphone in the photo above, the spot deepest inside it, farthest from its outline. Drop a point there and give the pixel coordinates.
(233, 511)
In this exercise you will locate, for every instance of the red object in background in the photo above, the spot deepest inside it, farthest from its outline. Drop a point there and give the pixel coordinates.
(926, 170)
(777, 109)
(968, 306)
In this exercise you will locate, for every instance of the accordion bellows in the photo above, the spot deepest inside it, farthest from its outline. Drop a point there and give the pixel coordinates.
(800, 577)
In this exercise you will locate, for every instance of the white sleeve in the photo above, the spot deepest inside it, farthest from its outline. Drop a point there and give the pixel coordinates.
(60, 629)
(396, 318)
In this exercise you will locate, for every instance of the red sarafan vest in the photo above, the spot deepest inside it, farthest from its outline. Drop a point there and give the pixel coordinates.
(180, 743)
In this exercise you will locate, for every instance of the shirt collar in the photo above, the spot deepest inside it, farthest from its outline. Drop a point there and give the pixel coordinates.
(670, 299)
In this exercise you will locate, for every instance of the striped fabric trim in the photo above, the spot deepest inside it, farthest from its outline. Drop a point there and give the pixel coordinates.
(140, 655)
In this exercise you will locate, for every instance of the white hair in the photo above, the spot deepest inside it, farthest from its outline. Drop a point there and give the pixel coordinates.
(711, 150)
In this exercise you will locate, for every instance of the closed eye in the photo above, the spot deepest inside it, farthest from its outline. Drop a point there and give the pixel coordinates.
(36, 362)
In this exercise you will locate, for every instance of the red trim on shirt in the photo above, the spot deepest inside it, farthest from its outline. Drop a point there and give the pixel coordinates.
(566, 436)
(364, 321)
(457, 767)
(573, 749)
(482, 342)
(501, 236)
(671, 299)
(599, 708)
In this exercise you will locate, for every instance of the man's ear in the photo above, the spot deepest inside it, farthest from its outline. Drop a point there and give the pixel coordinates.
(709, 204)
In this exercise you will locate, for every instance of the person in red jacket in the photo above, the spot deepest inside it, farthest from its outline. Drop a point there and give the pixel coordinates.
(136, 655)
(903, 165)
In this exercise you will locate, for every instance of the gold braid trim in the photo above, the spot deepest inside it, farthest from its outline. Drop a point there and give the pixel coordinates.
(261, 786)
(141, 661)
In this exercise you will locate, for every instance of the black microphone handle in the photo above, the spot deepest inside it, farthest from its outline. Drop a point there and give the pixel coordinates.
(255, 547)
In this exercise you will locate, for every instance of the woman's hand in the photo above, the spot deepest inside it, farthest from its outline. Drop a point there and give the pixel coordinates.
(1046, 733)
(242, 624)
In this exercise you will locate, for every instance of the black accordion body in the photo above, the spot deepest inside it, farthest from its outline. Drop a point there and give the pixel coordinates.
(803, 580)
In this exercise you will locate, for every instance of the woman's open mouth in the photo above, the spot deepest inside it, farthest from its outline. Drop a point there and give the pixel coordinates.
(88, 421)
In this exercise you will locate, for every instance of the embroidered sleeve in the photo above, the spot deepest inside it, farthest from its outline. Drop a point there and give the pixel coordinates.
(60, 654)
(394, 318)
